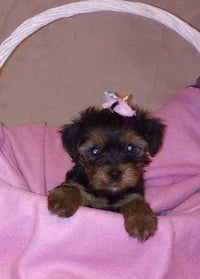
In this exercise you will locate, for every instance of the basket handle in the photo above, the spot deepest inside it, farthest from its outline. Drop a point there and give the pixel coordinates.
(33, 24)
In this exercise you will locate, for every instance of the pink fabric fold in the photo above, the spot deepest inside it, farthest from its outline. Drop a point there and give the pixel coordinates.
(175, 172)
(93, 243)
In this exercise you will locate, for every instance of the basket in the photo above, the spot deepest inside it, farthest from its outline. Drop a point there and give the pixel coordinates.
(33, 24)
(94, 244)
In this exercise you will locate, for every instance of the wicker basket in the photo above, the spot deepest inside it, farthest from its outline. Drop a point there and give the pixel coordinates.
(35, 23)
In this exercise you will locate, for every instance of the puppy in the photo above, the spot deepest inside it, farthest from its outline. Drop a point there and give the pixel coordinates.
(110, 151)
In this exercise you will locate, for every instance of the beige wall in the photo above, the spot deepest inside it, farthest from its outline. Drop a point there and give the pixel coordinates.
(67, 65)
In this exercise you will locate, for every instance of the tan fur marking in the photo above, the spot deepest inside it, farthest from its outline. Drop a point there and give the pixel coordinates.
(88, 199)
(97, 138)
(91, 200)
(131, 137)
(100, 179)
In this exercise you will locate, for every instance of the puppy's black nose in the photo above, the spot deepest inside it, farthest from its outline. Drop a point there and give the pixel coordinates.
(115, 174)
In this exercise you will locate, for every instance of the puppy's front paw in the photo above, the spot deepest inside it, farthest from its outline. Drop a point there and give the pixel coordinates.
(139, 220)
(141, 226)
(64, 200)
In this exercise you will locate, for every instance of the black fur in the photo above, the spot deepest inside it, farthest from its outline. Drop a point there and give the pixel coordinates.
(113, 125)
(150, 129)
(110, 152)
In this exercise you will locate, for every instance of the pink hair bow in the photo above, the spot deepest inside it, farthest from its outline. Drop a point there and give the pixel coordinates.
(118, 104)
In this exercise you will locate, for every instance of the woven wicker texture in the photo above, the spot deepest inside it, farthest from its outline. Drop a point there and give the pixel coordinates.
(35, 23)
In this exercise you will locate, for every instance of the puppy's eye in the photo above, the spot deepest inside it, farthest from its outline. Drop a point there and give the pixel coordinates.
(129, 148)
(95, 151)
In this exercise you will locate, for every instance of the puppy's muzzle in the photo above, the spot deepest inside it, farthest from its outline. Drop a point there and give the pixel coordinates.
(115, 175)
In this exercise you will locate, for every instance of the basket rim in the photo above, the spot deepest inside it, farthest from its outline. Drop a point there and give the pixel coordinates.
(40, 20)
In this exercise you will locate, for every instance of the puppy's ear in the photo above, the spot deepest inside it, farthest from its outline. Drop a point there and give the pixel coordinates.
(71, 139)
(152, 130)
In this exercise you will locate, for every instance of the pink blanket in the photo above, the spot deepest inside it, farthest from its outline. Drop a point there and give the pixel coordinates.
(93, 244)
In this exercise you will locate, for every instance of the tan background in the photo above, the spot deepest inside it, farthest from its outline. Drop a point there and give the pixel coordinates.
(67, 65)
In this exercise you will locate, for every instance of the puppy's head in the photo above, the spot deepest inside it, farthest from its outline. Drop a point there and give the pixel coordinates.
(112, 149)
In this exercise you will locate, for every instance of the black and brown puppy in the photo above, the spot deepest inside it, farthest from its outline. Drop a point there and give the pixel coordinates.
(110, 152)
